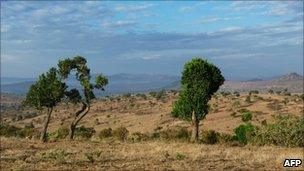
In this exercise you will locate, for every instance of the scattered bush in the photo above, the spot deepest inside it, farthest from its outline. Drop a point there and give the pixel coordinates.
(121, 133)
(84, 133)
(209, 137)
(138, 137)
(13, 131)
(270, 91)
(284, 131)
(158, 95)
(246, 116)
(243, 133)
(57, 154)
(105, 133)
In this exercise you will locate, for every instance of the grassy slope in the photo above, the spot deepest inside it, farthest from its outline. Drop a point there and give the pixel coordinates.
(29, 154)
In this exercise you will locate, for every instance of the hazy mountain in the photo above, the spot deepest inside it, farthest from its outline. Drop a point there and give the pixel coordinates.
(118, 83)
(292, 81)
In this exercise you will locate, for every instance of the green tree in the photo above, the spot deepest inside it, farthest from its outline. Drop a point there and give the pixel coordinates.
(46, 93)
(200, 80)
(78, 65)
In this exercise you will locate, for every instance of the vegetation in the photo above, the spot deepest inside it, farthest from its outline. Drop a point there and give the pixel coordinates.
(246, 116)
(244, 132)
(200, 80)
(284, 131)
(82, 73)
(46, 93)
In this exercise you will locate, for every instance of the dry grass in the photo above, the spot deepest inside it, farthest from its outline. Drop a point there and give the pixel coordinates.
(22, 154)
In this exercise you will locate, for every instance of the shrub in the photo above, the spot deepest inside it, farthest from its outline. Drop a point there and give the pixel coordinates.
(13, 131)
(302, 96)
(248, 99)
(57, 154)
(105, 133)
(244, 132)
(284, 131)
(127, 95)
(209, 137)
(236, 93)
(84, 133)
(158, 95)
(246, 116)
(121, 133)
(60, 133)
(138, 137)
(270, 91)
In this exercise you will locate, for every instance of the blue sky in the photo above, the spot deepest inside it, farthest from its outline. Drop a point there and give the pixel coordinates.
(245, 39)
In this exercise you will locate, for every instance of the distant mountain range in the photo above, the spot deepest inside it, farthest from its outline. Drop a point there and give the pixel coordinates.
(133, 83)
(118, 83)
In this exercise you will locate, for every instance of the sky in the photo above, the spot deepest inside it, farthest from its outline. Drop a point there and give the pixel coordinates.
(244, 39)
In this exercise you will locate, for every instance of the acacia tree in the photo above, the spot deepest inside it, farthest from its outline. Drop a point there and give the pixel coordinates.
(46, 93)
(78, 65)
(200, 80)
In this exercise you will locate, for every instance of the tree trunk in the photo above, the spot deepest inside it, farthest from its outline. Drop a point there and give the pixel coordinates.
(72, 131)
(195, 128)
(43, 137)
(79, 115)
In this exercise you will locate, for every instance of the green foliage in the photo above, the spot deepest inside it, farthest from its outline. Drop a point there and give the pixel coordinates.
(286, 130)
(84, 133)
(244, 132)
(121, 133)
(105, 133)
(200, 80)
(78, 65)
(246, 116)
(209, 137)
(47, 91)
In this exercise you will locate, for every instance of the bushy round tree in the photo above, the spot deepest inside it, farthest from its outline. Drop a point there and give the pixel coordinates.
(78, 65)
(46, 93)
(200, 80)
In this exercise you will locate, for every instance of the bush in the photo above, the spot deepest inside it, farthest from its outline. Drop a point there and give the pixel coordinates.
(60, 133)
(138, 137)
(209, 137)
(284, 131)
(236, 93)
(121, 133)
(105, 133)
(84, 133)
(13, 131)
(246, 116)
(158, 95)
(243, 133)
(225, 138)
(248, 99)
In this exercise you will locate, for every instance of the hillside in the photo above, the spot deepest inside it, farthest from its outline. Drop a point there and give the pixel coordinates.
(146, 114)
